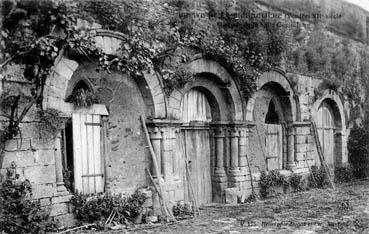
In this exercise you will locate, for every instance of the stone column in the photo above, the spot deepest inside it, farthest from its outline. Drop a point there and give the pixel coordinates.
(220, 177)
(219, 151)
(59, 165)
(168, 154)
(234, 171)
(290, 146)
(234, 141)
(242, 161)
(156, 138)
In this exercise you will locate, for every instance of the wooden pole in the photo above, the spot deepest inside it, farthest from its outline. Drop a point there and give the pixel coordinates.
(156, 170)
(192, 192)
(251, 179)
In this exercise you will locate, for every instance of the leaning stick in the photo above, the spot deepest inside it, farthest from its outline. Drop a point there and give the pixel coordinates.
(192, 191)
(156, 168)
(161, 200)
(251, 180)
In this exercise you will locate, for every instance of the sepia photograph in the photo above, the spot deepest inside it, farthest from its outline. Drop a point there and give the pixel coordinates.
(184, 116)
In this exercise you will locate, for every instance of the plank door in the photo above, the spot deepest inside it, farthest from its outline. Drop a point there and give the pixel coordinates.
(273, 146)
(198, 157)
(326, 127)
(195, 108)
(88, 167)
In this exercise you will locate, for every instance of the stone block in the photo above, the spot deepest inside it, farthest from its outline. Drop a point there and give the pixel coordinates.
(61, 199)
(107, 45)
(45, 157)
(115, 45)
(55, 80)
(73, 65)
(42, 143)
(301, 139)
(63, 70)
(99, 42)
(42, 191)
(45, 201)
(59, 209)
(57, 92)
(40, 174)
(300, 156)
(66, 220)
(299, 147)
(231, 195)
(17, 144)
(21, 158)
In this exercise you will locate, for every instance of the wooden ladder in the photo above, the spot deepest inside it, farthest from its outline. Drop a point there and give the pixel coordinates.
(320, 152)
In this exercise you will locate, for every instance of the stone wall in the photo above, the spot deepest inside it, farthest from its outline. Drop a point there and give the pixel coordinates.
(233, 133)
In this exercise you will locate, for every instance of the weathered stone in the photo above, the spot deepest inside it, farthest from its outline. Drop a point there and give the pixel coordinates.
(45, 201)
(231, 195)
(40, 174)
(66, 220)
(63, 70)
(17, 144)
(21, 158)
(41, 191)
(61, 199)
(59, 209)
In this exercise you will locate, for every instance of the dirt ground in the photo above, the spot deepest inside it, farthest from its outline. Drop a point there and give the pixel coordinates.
(344, 210)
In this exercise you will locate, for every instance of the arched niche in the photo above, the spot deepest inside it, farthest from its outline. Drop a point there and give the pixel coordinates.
(274, 80)
(213, 77)
(328, 113)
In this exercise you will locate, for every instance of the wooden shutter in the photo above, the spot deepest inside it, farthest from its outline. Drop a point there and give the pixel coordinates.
(88, 166)
(273, 146)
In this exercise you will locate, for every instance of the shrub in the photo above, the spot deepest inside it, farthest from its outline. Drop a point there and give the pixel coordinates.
(296, 182)
(98, 207)
(20, 214)
(358, 151)
(269, 181)
(343, 173)
(318, 178)
(182, 209)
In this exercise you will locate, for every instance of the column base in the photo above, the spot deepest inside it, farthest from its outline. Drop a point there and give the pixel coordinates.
(219, 188)
(235, 171)
(291, 165)
(220, 172)
(60, 187)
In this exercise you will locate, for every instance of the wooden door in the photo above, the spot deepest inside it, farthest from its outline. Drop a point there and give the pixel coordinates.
(87, 160)
(326, 127)
(273, 146)
(197, 150)
(196, 145)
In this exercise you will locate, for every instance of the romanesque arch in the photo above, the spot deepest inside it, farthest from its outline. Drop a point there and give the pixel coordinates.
(214, 78)
(60, 83)
(272, 109)
(328, 113)
(142, 96)
(276, 79)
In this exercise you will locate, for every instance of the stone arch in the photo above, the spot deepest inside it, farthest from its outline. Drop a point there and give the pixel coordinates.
(278, 80)
(219, 87)
(331, 98)
(58, 85)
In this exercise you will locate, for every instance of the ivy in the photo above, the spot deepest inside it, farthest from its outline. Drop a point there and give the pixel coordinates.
(19, 214)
